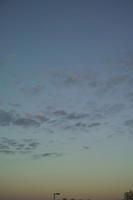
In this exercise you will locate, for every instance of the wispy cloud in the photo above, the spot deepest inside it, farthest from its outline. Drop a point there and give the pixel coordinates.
(86, 147)
(94, 125)
(129, 123)
(14, 104)
(72, 78)
(130, 96)
(117, 80)
(48, 154)
(34, 90)
(60, 113)
(26, 122)
(80, 124)
(77, 116)
(7, 151)
(113, 109)
(40, 117)
(111, 84)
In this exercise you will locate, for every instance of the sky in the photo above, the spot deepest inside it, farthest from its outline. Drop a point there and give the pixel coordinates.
(66, 99)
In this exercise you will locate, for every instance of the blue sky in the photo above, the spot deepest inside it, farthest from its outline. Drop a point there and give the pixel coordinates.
(66, 98)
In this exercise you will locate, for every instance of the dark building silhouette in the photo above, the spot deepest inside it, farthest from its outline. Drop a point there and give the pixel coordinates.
(128, 195)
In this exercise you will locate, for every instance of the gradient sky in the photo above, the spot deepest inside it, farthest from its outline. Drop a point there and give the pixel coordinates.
(66, 99)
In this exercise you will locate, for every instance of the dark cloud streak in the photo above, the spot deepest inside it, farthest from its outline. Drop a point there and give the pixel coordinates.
(47, 155)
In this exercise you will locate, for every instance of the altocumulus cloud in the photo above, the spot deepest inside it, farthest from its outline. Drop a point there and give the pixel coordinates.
(8, 117)
(12, 146)
(41, 117)
(5, 117)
